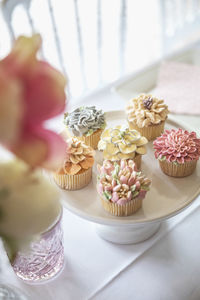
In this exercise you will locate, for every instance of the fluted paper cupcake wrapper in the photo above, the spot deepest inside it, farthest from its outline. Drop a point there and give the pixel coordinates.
(73, 182)
(178, 170)
(151, 132)
(92, 140)
(122, 210)
(138, 160)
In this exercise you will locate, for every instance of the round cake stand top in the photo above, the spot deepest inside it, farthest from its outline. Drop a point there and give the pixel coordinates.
(167, 197)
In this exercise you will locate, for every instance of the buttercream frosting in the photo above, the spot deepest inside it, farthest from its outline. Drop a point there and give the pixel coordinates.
(120, 182)
(120, 142)
(177, 146)
(146, 110)
(79, 157)
(84, 120)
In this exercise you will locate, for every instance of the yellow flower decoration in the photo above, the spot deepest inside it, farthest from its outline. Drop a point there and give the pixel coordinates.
(121, 143)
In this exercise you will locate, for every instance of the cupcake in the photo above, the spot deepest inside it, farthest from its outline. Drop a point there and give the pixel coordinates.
(86, 123)
(121, 187)
(122, 143)
(76, 171)
(147, 115)
(178, 152)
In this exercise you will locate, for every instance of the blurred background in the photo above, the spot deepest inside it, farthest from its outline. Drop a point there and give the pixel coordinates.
(96, 42)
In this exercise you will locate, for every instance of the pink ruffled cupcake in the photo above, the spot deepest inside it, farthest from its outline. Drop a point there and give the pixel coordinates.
(178, 152)
(121, 187)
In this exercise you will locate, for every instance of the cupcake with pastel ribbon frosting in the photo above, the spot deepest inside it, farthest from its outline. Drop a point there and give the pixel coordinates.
(86, 123)
(76, 171)
(178, 152)
(120, 142)
(121, 187)
(147, 114)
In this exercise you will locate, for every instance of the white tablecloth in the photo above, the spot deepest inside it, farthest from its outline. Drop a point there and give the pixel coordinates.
(167, 266)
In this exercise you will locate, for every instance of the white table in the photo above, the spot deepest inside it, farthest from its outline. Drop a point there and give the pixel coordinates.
(167, 266)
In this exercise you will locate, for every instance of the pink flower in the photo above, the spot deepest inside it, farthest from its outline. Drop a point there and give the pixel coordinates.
(124, 179)
(177, 146)
(108, 188)
(124, 184)
(122, 201)
(131, 180)
(142, 194)
(129, 196)
(137, 184)
(114, 182)
(31, 92)
(115, 197)
(107, 167)
(100, 188)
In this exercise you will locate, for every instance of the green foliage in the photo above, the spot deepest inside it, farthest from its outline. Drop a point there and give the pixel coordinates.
(162, 158)
(107, 195)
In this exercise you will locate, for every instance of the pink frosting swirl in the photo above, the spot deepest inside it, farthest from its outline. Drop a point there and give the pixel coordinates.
(177, 146)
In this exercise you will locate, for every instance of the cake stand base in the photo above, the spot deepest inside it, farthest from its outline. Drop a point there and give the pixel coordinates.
(127, 234)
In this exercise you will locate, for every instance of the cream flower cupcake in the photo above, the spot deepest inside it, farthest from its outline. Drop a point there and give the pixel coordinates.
(76, 171)
(122, 143)
(86, 123)
(178, 152)
(147, 114)
(121, 187)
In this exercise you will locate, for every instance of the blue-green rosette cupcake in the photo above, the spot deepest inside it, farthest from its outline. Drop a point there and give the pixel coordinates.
(86, 123)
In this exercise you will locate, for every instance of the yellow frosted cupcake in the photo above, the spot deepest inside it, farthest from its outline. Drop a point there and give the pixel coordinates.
(147, 114)
(121, 187)
(76, 171)
(122, 143)
(85, 123)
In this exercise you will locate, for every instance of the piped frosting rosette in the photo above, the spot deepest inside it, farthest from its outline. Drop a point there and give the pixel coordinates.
(76, 171)
(147, 114)
(79, 157)
(121, 187)
(177, 146)
(146, 110)
(177, 151)
(86, 123)
(84, 120)
(122, 143)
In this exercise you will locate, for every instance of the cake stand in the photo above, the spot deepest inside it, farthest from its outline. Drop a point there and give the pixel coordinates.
(167, 197)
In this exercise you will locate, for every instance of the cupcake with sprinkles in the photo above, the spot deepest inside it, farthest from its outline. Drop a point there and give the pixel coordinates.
(121, 187)
(178, 152)
(147, 114)
(120, 142)
(85, 123)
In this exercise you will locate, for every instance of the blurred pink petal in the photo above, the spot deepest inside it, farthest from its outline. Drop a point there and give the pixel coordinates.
(56, 150)
(31, 91)
(44, 93)
(11, 109)
(31, 148)
(22, 56)
(41, 147)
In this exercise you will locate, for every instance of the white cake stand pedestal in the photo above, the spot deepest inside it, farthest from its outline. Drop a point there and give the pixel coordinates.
(127, 235)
